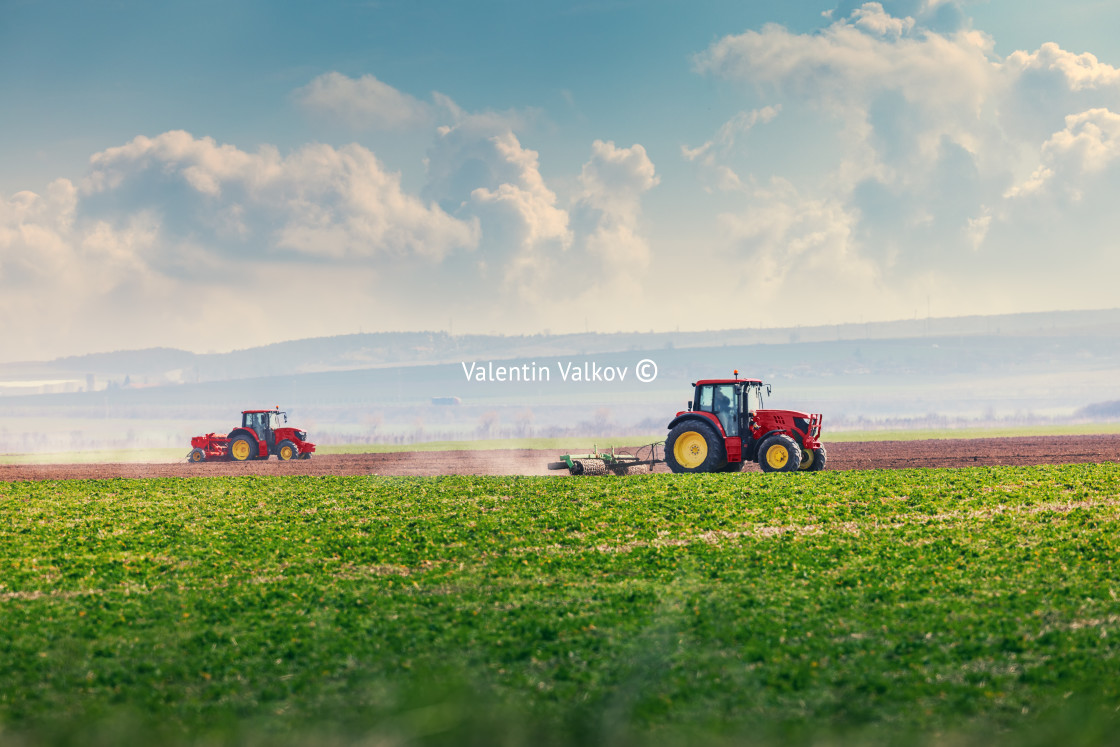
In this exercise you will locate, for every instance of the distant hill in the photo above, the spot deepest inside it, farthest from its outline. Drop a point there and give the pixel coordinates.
(156, 366)
(410, 386)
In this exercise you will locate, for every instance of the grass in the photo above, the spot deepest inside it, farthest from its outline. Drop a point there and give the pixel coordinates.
(977, 605)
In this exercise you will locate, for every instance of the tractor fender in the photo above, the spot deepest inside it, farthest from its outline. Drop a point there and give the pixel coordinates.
(704, 417)
(251, 434)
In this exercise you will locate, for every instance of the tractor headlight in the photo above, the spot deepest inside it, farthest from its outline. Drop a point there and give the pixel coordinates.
(302, 435)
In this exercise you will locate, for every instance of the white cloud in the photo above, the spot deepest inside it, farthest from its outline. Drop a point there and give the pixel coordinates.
(523, 213)
(1080, 71)
(168, 240)
(712, 155)
(319, 201)
(614, 179)
(1089, 143)
(35, 234)
(612, 183)
(364, 103)
(935, 144)
(871, 17)
(1076, 159)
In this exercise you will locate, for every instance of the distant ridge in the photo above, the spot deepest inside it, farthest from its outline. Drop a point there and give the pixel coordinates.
(154, 366)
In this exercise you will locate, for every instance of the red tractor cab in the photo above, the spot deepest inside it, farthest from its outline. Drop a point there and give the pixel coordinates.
(726, 425)
(261, 434)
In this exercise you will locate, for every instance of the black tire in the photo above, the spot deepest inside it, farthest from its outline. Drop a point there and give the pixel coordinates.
(239, 454)
(196, 456)
(694, 446)
(779, 453)
(816, 459)
(306, 455)
(286, 451)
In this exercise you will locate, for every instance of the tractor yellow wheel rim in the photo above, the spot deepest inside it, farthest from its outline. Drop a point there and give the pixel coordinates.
(690, 450)
(196, 457)
(240, 450)
(286, 453)
(777, 456)
(806, 459)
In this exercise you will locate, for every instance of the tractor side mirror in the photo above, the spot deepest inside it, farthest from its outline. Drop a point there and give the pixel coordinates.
(689, 405)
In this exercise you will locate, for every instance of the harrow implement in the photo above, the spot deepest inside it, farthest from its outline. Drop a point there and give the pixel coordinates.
(612, 462)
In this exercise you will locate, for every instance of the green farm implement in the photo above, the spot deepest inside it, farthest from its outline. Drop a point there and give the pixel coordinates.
(612, 462)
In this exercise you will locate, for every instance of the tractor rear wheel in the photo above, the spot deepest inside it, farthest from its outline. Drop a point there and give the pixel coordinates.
(241, 449)
(779, 453)
(197, 455)
(813, 460)
(286, 451)
(694, 446)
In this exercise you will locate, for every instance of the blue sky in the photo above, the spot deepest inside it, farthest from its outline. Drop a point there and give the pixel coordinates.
(220, 175)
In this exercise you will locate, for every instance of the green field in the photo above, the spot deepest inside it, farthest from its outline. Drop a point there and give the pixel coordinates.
(859, 607)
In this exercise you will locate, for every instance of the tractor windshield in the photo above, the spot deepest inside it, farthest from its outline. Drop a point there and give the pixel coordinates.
(274, 420)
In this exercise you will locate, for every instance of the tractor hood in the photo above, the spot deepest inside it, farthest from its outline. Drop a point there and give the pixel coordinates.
(790, 420)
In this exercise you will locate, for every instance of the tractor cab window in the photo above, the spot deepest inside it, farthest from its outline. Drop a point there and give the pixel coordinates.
(705, 399)
(258, 421)
(754, 398)
(722, 400)
(274, 420)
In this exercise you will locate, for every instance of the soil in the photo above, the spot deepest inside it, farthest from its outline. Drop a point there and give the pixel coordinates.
(841, 456)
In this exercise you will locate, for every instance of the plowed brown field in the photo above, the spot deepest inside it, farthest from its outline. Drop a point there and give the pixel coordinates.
(841, 456)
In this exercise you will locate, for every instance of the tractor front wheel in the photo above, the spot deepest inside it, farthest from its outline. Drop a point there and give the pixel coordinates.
(694, 446)
(241, 449)
(197, 455)
(779, 453)
(286, 451)
(813, 460)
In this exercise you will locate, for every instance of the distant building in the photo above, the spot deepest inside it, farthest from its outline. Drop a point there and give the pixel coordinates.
(446, 401)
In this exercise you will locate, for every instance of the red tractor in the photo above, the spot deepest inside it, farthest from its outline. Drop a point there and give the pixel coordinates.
(725, 426)
(259, 436)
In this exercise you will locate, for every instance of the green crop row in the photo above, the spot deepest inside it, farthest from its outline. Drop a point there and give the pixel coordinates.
(887, 606)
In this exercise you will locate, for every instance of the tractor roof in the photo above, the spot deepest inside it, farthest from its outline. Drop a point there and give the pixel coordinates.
(727, 381)
(277, 409)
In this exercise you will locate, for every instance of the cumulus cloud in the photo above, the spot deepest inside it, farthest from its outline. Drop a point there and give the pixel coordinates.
(522, 214)
(35, 234)
(319, 201)
(612, 183)
(1090, 140)
(1080, 157)
(364, 103)
(938, 143)
(785, 239)
(1080, 71)
(712, 155)
(478, 170)
(176, 230)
